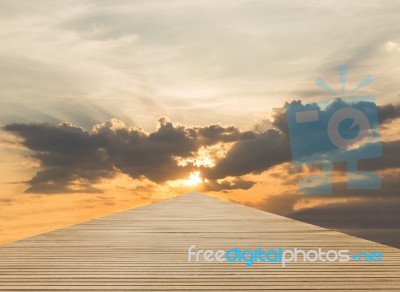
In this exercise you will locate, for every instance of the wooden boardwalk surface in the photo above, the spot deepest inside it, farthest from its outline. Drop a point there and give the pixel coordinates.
(145, 249)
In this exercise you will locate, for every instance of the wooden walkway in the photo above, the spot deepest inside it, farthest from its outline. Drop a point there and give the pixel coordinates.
(145, 249)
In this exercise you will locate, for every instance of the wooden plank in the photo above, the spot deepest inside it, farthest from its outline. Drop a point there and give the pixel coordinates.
(145, 249)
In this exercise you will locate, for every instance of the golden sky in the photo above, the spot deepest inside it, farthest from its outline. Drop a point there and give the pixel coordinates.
(111, 105)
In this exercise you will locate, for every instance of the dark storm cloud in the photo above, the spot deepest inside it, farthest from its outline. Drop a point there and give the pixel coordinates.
(363, 217)
(388, 112)
(279, 118)
(389, 159)
(252, 155)
(268, 148)
(216, 133)
(72, 159)
(368, 213)
(67, 153)
(285, 203)
(223, 185)
(371, 214)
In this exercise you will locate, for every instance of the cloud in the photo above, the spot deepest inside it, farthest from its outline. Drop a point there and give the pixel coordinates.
(66, 153)
(228, 184)
(271, 147)
(137, 56)
(362, 216)
(253, 155)
(354, 214)
(389, 159)
(388, 112)
(370, 214)
(72, 158)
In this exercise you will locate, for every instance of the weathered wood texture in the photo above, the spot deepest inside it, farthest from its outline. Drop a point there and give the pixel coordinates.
(145, 249)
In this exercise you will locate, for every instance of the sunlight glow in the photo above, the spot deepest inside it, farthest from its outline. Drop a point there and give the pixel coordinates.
(205, 156)
(194, 179)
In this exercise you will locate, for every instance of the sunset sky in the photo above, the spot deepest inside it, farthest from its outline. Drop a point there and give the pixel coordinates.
(108, 105)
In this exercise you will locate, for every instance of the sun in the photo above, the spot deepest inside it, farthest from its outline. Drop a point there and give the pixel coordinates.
(194, 179)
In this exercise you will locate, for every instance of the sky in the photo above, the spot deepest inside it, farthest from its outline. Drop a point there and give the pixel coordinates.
(109, 105)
